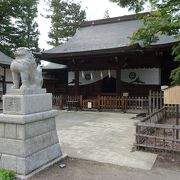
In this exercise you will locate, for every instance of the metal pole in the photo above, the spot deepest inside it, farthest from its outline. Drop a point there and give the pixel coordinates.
(177, 120)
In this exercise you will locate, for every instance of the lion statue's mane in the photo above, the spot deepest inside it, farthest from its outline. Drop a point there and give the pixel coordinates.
(24, 66)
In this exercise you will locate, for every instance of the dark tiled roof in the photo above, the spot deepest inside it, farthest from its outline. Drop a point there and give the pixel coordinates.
(103, 35)
(4, 59)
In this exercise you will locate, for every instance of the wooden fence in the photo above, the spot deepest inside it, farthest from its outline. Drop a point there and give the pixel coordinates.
(62, 100)
(152, 134)
(137, 103)
(149, 104)
(112, 102)
(156, 101)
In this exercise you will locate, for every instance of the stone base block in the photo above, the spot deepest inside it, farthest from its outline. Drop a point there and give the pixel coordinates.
(27, 104)
(25, 165)
(28, 142)
(26, 91)
(25, 177)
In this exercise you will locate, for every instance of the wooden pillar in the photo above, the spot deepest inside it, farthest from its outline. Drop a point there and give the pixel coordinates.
(177, 120)
(4, 81)
(118, 80)
(76, 82)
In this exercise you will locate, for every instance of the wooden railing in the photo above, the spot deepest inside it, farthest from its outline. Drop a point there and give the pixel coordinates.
(155, 117)
(104, 102)
(137, 103)
(61, 100)
(93, 101)
(151, 134)
(112, 102)
(155, 101)
(148, 104)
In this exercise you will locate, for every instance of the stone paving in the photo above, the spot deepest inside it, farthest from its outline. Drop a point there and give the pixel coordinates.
(103, 137)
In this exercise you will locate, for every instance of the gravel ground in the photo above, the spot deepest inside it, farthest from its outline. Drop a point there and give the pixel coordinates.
(165, 168)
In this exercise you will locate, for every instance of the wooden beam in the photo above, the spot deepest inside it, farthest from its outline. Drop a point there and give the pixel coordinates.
(4, 81)
(76, 82)
(118, 79)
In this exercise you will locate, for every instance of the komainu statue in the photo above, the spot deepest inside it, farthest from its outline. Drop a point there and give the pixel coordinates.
(24, 66)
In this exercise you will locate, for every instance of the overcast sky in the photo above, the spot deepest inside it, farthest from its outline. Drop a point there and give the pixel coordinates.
(94, 10)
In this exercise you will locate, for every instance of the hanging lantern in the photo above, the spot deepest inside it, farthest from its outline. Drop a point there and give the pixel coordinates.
(82, 75)
(109, 73)
(101, 75)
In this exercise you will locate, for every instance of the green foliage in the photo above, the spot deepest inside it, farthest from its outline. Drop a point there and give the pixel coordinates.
(106, 14)
(136, 5)
(66, 16)
(8, 33)
(164, 20)
(176, 53)
(17, 26)
(27, 26)
(7, 174)
(175, 76)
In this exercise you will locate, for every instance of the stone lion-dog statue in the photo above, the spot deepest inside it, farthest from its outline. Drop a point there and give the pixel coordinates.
(24, 67)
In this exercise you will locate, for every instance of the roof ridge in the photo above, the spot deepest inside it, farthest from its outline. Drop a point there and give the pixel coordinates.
(112, 20)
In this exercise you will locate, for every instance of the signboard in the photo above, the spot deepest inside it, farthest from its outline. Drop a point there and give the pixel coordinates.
(89, 105)
(125, 94)
(172, 95)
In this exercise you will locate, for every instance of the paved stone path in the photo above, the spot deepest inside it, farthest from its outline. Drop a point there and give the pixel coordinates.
(103, 137)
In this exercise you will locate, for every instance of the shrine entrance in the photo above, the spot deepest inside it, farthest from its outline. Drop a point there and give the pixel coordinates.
(109, 85)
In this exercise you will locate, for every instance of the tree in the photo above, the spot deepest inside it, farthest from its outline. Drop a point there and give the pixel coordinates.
(17, 26)
(66, 16)
(9, 9)
(163, 19)
(106, 14)
(27, 26)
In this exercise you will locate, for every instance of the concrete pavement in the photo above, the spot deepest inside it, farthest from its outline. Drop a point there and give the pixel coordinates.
(77, 169)
(103, 137)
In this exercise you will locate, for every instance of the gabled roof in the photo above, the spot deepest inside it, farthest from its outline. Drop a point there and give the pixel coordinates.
(4, 59)
(104, 34)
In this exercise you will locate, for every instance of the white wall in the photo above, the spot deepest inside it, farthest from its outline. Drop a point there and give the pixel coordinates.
(150, 76)
(95, 74)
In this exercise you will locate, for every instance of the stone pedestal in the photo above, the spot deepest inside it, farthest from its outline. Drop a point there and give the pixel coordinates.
(28, 137)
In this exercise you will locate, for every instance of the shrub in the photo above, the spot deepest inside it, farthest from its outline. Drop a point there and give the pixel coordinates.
(7, 174)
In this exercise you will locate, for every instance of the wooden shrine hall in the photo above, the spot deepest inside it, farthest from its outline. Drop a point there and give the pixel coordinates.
(100, 61)
(5, 73)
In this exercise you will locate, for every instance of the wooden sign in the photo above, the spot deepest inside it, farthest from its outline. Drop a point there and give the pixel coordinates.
(125, 94)
(172, 95)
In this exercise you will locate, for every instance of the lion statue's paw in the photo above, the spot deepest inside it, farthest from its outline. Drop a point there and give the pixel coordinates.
(15, 87)
(24, 87)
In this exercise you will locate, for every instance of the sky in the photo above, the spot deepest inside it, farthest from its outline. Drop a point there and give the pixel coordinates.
(94, 10)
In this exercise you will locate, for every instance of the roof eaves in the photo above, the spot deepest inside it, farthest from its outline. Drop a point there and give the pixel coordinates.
(124, 49)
